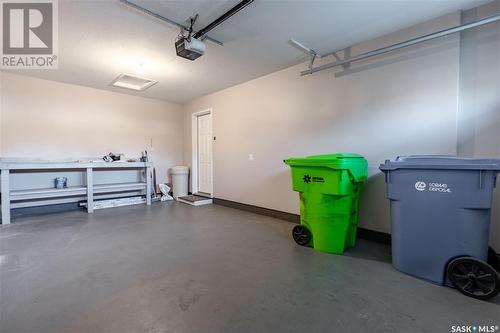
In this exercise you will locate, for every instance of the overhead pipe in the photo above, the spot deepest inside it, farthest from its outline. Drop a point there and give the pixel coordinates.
(400, 45)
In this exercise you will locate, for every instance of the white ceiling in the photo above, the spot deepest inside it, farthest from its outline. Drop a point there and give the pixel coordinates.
(98, 40)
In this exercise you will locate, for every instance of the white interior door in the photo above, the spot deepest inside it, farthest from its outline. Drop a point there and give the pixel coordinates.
(205, 154)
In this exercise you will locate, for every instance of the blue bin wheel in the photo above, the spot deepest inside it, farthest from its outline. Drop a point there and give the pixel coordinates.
(474, 278)
(493, 260)
(301, 235)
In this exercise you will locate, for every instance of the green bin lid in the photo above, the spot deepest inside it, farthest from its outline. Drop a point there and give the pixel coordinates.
(340, 160)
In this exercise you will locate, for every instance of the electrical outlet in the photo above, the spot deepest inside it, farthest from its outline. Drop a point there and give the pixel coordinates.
(250, 157)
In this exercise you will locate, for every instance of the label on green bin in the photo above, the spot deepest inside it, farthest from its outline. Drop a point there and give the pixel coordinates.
(307, 179)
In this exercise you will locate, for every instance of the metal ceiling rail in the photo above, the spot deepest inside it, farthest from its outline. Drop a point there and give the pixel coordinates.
(303, 48)
(223, 18)
(164, 19)
(398, 46)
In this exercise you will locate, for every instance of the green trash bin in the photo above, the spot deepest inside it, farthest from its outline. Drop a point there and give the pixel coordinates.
(329, 188)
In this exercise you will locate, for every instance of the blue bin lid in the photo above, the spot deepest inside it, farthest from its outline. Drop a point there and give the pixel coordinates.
(440, 162)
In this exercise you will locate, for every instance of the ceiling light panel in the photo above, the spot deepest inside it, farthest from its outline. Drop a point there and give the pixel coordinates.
(132, 82)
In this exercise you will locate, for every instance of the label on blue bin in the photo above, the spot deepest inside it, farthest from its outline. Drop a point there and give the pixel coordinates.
(420, 186)
(432, 187)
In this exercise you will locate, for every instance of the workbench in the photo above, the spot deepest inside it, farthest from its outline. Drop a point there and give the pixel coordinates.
(88, 190)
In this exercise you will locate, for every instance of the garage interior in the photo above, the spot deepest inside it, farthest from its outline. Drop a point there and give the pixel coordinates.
(142, 149)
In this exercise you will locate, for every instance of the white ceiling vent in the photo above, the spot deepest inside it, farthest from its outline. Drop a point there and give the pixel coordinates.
(133, 82)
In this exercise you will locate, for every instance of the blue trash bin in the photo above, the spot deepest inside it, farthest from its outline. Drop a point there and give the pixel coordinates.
(440, 220)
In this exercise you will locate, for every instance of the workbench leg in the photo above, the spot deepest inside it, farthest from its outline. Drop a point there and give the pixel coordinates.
(148, 186)
(90, 191)
(5, 197)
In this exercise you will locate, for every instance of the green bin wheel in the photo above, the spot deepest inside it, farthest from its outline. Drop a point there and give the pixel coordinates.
(474, 278)
(493, 260)
(301, 235)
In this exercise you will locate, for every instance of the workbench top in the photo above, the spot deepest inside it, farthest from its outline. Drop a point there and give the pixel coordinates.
(11, 164)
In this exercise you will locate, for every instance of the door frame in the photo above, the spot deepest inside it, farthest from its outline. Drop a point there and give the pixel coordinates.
(194, 150)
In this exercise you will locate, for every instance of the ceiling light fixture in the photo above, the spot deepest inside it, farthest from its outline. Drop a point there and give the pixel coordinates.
(132, 82)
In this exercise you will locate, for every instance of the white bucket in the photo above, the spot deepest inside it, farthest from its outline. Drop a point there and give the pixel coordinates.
(180, 179)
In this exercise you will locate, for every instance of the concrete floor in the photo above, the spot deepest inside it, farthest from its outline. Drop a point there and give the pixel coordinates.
(176, 268)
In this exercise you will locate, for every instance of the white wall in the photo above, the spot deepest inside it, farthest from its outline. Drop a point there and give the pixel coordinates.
(405, 103)
(46, 119)
(479, 116)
